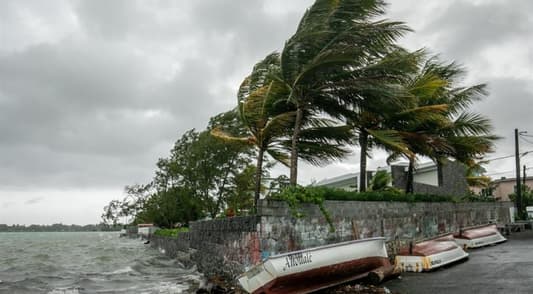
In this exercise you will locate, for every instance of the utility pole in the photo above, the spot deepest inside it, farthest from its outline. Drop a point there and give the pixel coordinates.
(518, 190)
(524, 177)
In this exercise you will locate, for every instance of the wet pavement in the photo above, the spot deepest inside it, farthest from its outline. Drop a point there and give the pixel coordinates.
(502, 268)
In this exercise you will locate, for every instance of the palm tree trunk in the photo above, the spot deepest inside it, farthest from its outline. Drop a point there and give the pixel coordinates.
(440, 179)
(409, 183)
(294, 152)
(363, 143)
(258, 174)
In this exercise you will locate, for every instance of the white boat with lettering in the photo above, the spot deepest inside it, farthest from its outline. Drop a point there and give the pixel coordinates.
(308, 270)
(429, 254)
(479, 236)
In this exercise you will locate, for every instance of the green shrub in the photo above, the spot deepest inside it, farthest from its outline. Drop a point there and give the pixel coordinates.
(317, 195)
(173, 233)
(294, 195)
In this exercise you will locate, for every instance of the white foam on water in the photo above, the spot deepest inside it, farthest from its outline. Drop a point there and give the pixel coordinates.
(120, 271)
(64, 291)
(171, 288)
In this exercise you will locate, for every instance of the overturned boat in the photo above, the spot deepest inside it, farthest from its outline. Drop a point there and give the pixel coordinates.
(479, 236)
(429, 254)
(316, 268)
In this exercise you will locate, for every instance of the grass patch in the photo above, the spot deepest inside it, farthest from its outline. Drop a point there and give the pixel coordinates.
(173, 233)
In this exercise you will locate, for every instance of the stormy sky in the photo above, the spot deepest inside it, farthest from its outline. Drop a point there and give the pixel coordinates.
(93, 92)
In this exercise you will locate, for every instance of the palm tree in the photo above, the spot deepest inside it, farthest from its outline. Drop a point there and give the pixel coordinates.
(263, 108)
(334, 41)
(450, 130)
(469, 134)
(380, 98)
(269, 117)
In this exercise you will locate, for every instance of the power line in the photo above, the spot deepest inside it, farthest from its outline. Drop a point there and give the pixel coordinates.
(507, 156)
(526, 140)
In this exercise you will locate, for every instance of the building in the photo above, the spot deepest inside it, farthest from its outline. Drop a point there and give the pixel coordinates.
(425, 179)
(348, 182)
(502, 188)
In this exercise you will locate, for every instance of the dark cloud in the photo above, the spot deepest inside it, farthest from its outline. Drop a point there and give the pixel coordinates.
(96, 105)
(467, 28)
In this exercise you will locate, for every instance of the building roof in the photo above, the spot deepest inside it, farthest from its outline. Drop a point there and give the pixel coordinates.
(337, 179)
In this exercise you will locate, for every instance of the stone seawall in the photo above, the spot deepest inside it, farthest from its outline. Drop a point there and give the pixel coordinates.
(398, 222)
(227, 247)
(222, 247)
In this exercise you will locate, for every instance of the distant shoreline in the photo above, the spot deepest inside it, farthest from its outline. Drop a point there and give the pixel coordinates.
(58, 228)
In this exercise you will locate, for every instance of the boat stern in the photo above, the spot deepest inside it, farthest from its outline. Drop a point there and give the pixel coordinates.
(480, 236)
(481, 241)
(410, 263)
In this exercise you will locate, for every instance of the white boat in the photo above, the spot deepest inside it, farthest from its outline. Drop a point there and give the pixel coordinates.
(146, 230)
(316, 268)
(474, 237)
(429, 255)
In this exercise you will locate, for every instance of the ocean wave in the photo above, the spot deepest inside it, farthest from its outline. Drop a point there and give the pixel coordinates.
(65, 291)
(79, 263)
(125, 270)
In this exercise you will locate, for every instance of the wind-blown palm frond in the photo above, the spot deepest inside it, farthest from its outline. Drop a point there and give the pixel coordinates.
(391, 139)
(218, 133)
(324, 59)
(447, 130)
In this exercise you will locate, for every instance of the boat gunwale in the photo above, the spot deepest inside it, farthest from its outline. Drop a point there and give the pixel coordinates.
(322, 247)
(477, 227)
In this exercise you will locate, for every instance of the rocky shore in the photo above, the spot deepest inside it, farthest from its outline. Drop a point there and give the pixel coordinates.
(218, 285)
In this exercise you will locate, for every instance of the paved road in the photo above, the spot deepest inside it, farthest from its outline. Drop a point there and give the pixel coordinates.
(504, 268)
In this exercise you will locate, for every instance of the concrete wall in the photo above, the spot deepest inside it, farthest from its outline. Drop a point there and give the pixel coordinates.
(428, 177)
(228, 247)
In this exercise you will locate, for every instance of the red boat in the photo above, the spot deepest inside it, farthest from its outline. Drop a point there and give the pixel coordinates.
(474, 237)
(429, 254)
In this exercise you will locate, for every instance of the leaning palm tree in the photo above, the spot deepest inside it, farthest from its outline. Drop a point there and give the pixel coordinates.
(415, 125)
(333, 41)
(469, 134)
(381, 97)
(269, 117)
(452, 131)
(263, 108)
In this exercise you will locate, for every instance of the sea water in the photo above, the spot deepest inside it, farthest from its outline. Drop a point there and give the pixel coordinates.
(88, 262)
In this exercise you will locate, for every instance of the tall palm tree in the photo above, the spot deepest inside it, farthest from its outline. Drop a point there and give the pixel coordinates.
(469, 134)
(263, 108)
(269, 117)
(381, 97)
(334, 40)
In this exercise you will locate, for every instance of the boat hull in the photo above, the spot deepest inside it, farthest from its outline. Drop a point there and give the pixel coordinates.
(476, 237)
(429, 255)
(312, 269)
(409, 263)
